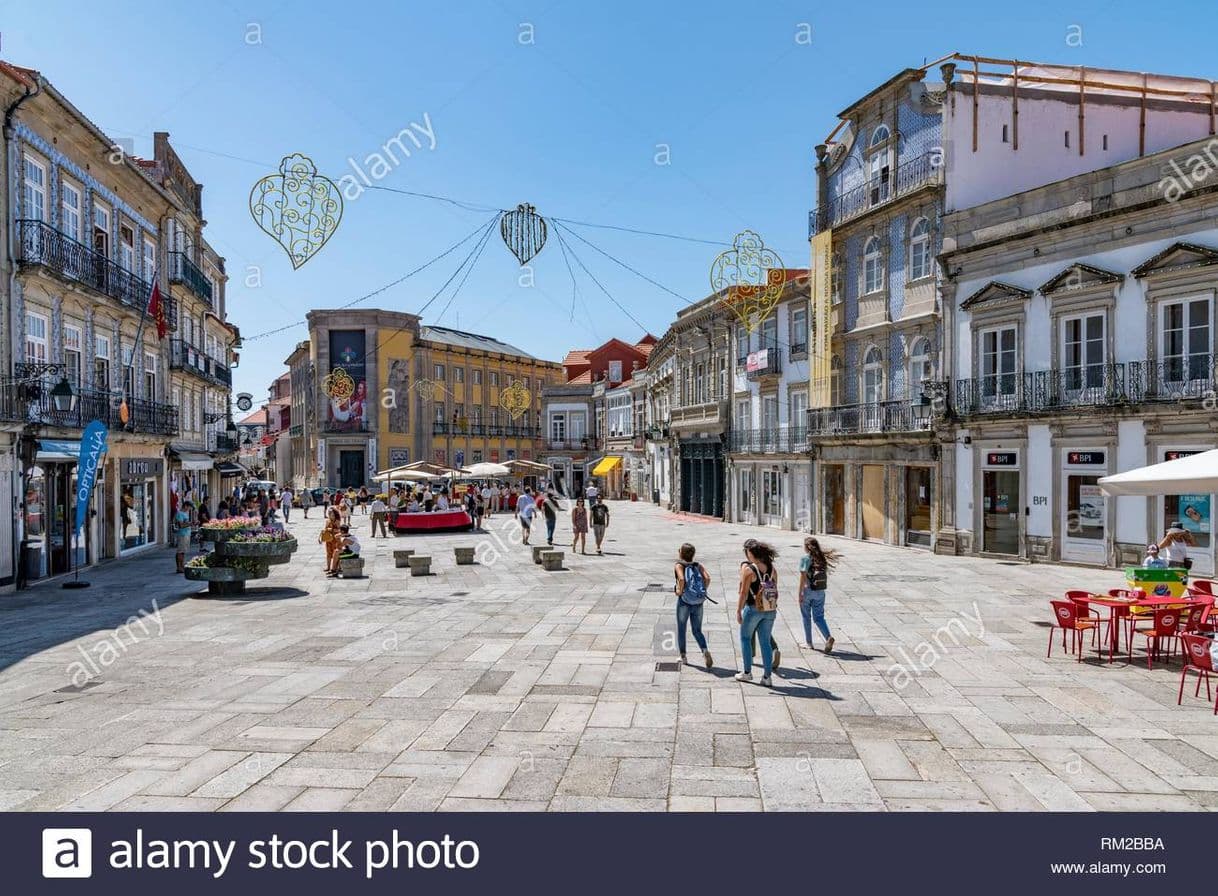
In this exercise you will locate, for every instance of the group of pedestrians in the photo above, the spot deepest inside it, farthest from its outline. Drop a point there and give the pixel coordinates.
(588, 511)
(757, 598)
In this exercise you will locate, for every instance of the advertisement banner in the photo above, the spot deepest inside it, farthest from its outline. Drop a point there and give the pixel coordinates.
(1090, 507)
(820, 356)
(92, 449)
(757, 360)
(348, 395)
(1195, 513)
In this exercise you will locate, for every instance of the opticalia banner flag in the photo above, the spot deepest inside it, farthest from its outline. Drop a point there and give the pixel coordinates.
(820, 363)
(92, 449)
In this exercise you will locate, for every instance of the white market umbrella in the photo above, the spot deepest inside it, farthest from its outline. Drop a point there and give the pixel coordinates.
(486, 470)
(401, 474)
(1195, 474)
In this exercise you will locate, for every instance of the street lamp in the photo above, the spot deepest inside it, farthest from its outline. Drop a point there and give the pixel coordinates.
(63, 398)
(922, 408)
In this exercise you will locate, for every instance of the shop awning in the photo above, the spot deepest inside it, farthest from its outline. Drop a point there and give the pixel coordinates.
(191, 460)
(58, 451)
(228, 468)
(606, 465)
(1194, 474)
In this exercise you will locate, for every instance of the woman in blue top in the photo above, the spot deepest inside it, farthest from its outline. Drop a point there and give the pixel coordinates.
(813, 581)
(692, 581)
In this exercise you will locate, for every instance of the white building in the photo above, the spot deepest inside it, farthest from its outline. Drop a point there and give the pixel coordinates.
(1082, 320)
(769, 467)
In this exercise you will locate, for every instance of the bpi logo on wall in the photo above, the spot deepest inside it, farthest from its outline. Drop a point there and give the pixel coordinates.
(67, 852)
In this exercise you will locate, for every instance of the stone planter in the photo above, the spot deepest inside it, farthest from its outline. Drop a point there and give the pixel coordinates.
(223, 579)
(465, 556)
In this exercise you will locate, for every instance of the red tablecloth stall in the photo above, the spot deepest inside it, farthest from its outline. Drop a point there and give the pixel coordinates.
(437, 521)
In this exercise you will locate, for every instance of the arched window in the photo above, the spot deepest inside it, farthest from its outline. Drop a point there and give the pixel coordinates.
(921, 368)
(873, 266)
(879, 167)
(919, 250)
(873, 377)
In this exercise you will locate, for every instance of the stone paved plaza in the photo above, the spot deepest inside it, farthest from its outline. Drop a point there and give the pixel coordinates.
(501, 686)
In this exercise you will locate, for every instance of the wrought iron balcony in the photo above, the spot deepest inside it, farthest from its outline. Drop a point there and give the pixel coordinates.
(772, 365)
(707, 413)
(1046, 391)
(184, 356)
(24, 402)
(905, 415)
(925, 170)
(41, 244)
(183, 270)
(222, 443)
(1174, 379)
(797, 350)
(590, 443)
(482, 430)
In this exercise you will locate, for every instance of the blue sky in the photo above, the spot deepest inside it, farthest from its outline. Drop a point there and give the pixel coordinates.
(567, 116)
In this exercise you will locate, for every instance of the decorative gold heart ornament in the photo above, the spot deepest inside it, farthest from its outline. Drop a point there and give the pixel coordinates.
(751, 276)
(338, 384)
(515, 399)
(299, 208)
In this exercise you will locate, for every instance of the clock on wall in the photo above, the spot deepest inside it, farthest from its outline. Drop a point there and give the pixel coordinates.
(245, 401)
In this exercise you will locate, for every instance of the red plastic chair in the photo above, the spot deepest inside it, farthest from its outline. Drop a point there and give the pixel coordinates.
(1194, 617)
(1205, 586)
(1197, 656)
(1066, 617)
(1083, 600)
(1167, 624)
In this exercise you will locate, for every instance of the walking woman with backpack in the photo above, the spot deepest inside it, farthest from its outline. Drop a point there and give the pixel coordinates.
(692, 582)
(757, 607)
(814, 569)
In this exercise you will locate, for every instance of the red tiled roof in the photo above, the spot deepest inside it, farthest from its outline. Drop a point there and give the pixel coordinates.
(575, 357)
(26, 76)
(258, 418)
(584, 379)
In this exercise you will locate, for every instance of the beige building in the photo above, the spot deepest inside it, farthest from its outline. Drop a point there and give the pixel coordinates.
(410, 392)
(89, 229)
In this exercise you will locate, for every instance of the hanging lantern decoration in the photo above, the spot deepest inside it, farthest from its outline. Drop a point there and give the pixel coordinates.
(297, 208)
(523, 232)
(338, 385)
(751, 277)
(515, 399)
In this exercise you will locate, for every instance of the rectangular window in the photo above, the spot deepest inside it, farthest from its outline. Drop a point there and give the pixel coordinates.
(742, 344)
(126, 247)
(998, 362)
(799, 330)
(477, 377)
(150, 376)
(72, 341)
(69, 213)
(438, 372)
(1186, 340)
(558, 427)
(799, 410)
(476, 415)
(150, 259)
(722, 377)
(769, 334)
(128, 374)
(35, 338)
(494, 377)
(101, 229)
(1083, 352)
(35, 205)
(101, 362)
(458, 374)
(494, 417)
(744, 415)
(439, 406)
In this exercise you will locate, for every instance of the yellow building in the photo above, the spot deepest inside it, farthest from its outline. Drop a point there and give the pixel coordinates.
(409, 392)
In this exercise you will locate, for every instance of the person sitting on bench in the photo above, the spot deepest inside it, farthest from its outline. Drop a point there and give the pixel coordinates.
(348, 549)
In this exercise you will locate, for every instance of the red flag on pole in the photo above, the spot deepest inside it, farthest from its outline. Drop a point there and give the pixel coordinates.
(156, 307)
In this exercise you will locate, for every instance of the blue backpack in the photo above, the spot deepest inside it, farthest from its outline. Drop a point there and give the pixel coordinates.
(695, 587)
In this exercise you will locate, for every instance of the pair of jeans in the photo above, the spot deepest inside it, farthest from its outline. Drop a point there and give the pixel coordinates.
(812, 609)
(691, 613)
(755, 622)
(551, 522)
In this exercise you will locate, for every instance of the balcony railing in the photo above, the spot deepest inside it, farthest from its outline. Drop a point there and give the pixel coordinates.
(923, 171)
(903, 415)
(1076, 387)
(1174, 379)
(483, 430)
(40, 243)
(223, 443)
(590, 443)
(26, 401)
(702, 414)
(781, 440)
(184, 356)
(771, 367)
(183, 270)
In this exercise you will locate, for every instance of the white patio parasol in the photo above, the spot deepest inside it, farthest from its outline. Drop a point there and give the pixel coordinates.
(401, 474)
(1195, 474)
(486, 470)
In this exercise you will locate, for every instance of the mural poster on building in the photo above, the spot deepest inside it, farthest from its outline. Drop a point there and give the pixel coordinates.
(820, 361)
(348, 407)
(1195, 514)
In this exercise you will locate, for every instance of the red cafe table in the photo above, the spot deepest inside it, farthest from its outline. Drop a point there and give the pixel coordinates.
(1119, 607)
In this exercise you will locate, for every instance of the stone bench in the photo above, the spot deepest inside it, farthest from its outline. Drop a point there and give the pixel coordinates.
(419, 566)
(465, 556)
(401, 559)
(351, 568)
(551, 560)
(538, 550)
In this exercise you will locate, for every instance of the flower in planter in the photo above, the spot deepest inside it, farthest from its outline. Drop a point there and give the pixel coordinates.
(262, 535)
(233, 524)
